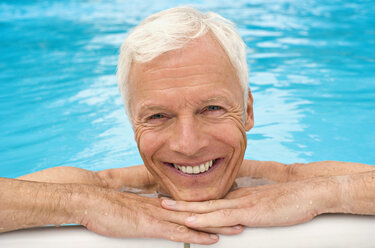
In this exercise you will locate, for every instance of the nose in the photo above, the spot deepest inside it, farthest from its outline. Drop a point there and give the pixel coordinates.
(188, 137)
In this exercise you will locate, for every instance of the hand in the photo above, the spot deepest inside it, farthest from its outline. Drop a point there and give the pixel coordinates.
(269, 205)
(118, 214)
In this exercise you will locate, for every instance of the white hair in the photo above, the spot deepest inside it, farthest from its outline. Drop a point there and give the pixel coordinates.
(172, 29)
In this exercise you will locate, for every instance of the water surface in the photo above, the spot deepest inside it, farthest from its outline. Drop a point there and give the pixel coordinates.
(312, 73)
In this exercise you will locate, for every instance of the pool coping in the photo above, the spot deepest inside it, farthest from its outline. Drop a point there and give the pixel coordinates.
(329, 230)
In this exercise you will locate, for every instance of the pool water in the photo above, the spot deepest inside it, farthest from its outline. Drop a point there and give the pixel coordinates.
(312, 73)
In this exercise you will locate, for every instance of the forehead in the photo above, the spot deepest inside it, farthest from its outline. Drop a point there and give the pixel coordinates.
(202, 62)
(202, 50)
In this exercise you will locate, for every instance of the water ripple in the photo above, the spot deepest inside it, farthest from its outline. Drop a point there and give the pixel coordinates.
(312, 72)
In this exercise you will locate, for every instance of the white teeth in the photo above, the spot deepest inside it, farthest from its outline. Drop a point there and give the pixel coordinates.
(207, 165)
(195, 169)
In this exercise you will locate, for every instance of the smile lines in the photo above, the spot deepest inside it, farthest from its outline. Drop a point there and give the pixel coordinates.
(195, 169)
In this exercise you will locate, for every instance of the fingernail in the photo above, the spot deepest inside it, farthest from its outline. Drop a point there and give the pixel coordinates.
(213, 236)
(237, 227)
(190, 219)
(169, 202)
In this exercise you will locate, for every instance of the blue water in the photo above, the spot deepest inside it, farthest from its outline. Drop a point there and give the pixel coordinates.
(312, 73)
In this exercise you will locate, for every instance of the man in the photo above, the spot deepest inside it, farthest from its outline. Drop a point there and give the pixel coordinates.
(184, 81)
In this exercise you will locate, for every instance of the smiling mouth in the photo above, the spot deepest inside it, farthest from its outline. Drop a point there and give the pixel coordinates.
(196, 169)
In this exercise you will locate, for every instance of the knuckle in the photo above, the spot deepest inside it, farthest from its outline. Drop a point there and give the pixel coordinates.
(226, 212)
(182, 229)
(191, 214)
(178, 233)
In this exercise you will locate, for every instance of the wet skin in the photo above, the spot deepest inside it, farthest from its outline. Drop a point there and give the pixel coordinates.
(187, 109)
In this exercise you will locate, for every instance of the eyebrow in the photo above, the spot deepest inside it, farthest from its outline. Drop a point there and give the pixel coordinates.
(217, 99)
(148, 107)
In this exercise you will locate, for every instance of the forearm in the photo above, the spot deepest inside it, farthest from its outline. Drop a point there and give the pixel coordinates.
(350, 194)
(27, 204)
(279, 172)
(325, 168)
(357, 193)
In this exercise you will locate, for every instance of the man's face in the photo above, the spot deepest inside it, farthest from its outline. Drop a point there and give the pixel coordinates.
(188, 116)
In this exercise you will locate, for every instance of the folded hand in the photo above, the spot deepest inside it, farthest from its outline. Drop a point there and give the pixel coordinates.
(269, 205)
(120, 214)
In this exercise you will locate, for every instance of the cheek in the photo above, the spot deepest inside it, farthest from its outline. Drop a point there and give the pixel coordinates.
(230, 134)
(148, 143)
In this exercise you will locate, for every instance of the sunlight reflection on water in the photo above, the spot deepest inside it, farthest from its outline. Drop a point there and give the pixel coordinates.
(312, 73)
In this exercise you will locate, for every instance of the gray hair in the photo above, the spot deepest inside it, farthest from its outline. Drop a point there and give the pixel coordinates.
(172, 29)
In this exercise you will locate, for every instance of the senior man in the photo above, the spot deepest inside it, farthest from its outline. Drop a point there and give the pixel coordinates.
(184, 81)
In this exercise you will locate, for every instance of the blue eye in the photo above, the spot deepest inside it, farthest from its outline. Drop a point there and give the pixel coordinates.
(156, 116)
(213, 108)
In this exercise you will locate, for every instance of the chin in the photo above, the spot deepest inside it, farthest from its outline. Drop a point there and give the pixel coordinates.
(198, 194)
(211, 183)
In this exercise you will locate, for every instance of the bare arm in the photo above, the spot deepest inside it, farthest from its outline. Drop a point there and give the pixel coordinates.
(356, 193)
(108, 212)
(287, 203)
(134, 176)
(279, 172)
(28, 204)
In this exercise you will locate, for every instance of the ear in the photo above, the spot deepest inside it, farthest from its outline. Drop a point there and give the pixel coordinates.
(249, 119)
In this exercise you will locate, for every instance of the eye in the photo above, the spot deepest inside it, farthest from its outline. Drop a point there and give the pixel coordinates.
(156, 118)
(213, 110)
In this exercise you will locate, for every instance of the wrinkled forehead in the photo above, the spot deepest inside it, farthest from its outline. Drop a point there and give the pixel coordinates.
(202, 55)
(202, 50)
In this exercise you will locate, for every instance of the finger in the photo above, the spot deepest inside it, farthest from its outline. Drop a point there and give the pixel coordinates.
(233, 230)
(172, 216)
(201, 207)
(179, 218)
(179, 233)
(238, 193)
(220, 218)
